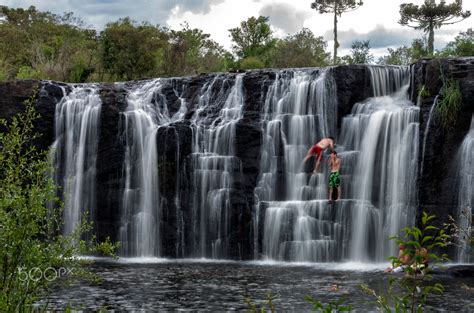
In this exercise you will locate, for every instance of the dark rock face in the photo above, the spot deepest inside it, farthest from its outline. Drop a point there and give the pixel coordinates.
(110, 157)
(353, 85)
(437, 179)
(174, 142)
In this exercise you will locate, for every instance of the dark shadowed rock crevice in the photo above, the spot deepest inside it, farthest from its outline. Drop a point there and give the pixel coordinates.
(437, 182)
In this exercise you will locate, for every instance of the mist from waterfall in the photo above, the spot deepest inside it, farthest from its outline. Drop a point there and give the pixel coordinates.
(465, 172)
(74, 151)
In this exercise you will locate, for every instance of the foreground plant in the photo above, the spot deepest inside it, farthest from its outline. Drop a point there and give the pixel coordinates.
(268, 302)
(425, 244)
(462, 232)
(331, 307)
(33, 253)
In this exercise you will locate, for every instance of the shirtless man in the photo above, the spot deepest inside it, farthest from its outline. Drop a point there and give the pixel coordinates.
(404, 260)
(334, 177)
(317, 150)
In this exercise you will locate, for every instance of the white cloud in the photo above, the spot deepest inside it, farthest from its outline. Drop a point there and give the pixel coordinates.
(284, 16)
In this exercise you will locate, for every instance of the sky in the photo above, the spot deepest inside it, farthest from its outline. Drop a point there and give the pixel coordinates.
(375, 20)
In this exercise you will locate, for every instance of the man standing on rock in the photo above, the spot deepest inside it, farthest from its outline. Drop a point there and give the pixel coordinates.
(317, 150)
(334, 177)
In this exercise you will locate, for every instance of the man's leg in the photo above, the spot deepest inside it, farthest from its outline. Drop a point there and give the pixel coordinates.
(338, 193)
(330, 194)
(315, 170)
(318, 161)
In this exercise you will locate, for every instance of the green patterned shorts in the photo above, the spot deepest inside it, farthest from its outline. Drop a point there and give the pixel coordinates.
(334, 180)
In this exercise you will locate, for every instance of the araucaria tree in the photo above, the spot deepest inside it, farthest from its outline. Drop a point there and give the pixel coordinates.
(430, 16)
(337, 7)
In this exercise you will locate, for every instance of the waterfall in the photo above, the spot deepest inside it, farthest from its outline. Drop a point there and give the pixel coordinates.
(293, 221)
(215, 164)
(386, 80)
(465, 180)
(427, 129)
(378, 147)
(140, 225)
(299, 110)
(75, 152)
(383, 133)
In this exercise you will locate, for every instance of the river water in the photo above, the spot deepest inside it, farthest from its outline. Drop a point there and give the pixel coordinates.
(204, 285)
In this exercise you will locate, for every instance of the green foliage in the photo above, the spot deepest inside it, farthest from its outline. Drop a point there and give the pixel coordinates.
(35, 44)
(360, 53)
(26, 72)
(430, 16)
(447, 108)
(253, 38)
(336, 7)
(331, 307)
(463, 45)
(46, 43)
(424, 243)
(419, 49)
(423, 92)
(33, 251)
(300, 50)
(251, 63)
(268, 302)
(406, 55)
(399, 56)
(191, 51)
(126, 48)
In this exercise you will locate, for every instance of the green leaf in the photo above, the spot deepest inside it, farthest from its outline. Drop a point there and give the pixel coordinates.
(425, 239)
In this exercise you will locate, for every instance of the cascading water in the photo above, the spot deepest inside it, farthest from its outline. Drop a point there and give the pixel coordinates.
(293, 221)
(379, 153)
(75, 151)
(299, 109)
(383, 133)
(140, 226)
(212, 165)
(465, 195)
(215, 166)
(426, 131)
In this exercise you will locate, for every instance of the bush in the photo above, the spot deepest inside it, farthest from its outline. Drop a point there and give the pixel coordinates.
(26, 72)
(423, 243)
(251, 63)
(33, 253)
(447, 109)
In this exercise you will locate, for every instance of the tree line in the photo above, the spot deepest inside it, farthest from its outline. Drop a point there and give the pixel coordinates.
(43, 45)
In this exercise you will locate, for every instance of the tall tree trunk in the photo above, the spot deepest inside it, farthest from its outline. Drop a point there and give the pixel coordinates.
(336, 44)
(431, 39)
